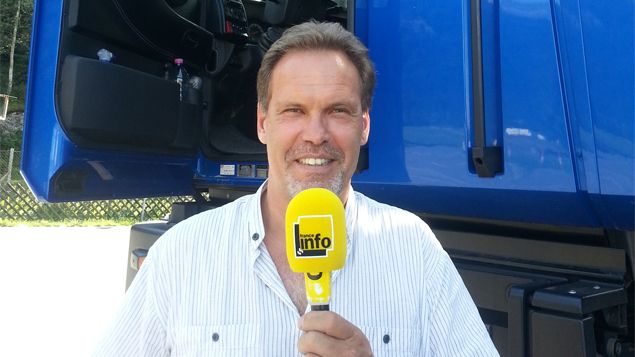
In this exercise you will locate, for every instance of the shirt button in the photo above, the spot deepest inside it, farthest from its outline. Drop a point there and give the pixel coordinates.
(386, 338)
(215, 337)
(255, 236)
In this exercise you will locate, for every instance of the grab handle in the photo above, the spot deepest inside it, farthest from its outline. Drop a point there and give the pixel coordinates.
(487, 160)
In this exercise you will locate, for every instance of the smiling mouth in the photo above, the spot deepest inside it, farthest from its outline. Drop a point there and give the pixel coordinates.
(314, 161)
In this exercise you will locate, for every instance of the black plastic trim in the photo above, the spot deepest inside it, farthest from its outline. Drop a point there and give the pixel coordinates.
(487, 160)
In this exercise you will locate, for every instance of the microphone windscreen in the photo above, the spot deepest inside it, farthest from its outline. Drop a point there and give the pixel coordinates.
(315, 227)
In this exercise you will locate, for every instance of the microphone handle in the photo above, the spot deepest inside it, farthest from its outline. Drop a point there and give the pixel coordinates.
(321, 307)
(318, 290)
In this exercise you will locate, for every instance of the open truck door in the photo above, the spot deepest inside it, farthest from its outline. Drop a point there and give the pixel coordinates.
(104, 117)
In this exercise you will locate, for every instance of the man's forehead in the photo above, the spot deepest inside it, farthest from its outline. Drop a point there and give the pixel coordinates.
(299, 57)
(314, 67)
(319, 52)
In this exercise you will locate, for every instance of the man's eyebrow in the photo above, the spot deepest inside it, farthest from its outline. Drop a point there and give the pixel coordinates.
(344, 103)
(286, 104)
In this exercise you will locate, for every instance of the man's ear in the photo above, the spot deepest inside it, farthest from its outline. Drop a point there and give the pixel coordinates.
(260, 124)
(365, 127)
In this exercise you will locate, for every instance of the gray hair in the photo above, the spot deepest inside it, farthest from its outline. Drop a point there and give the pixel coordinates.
(318, 36)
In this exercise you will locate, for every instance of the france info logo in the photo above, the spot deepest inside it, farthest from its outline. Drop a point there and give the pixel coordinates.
(313, 236)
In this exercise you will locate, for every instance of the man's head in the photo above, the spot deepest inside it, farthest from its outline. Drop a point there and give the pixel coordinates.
(318, 36)
(314, 90)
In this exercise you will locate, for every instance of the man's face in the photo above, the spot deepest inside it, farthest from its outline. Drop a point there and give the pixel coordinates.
(314, 125)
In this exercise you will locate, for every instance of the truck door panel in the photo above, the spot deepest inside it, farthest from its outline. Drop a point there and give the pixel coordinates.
(609, 54)
(429, 113)
(118, 127)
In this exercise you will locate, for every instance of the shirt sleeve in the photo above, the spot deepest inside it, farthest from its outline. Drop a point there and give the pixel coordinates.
(139, 328)
(456, 326)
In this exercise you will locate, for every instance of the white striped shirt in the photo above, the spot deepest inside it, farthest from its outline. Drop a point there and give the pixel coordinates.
(210, 288)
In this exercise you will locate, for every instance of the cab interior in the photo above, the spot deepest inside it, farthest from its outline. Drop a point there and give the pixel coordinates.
(131, 102)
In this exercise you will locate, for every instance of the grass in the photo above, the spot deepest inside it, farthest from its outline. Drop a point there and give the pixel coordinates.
(15, 105)
(67, 223)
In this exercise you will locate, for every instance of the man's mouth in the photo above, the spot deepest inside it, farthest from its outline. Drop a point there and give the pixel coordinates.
(314, 161)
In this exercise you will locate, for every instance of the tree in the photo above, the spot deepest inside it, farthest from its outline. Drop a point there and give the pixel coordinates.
(16, 24)
(15, 35)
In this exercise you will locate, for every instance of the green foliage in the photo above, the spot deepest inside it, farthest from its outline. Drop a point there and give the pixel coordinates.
(10, 136)
(11, 140)
(21, 56)
(17, 105)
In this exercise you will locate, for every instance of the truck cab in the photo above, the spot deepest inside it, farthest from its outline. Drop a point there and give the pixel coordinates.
(509, 127)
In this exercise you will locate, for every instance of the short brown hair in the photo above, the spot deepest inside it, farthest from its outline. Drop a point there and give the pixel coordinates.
(318, 36)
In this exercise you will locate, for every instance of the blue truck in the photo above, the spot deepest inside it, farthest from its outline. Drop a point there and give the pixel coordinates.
(509, 126)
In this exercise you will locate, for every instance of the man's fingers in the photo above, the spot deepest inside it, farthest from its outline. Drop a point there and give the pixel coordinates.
(327, 322)
(314, 343)
(328, 334)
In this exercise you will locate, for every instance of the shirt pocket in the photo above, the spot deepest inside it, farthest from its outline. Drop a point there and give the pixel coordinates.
(388, 341)
(216, 340)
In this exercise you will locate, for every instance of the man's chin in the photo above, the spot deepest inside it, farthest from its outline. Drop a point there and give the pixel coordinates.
(334, 185)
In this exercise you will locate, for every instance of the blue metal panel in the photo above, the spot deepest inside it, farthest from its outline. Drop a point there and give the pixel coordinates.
(421, 118)
(360, 20)
(422, 102)
(610, 62)
(44, 44)
(49, 155)
(571, 47)
(596, 44)
(418, 122)
(537, 147)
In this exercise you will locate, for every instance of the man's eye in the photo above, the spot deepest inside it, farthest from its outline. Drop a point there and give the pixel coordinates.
(293, 110)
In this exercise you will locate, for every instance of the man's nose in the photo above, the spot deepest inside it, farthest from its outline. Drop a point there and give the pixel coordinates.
(316, 130)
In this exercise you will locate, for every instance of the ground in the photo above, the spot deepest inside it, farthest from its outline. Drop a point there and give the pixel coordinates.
(59, 287)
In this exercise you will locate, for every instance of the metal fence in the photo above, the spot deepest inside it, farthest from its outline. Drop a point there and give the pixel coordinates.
(17, 203)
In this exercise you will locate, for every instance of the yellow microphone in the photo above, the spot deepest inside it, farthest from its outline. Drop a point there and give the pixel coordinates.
(315, 228)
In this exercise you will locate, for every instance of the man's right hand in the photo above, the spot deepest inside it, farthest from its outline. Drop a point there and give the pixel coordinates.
(329, 334)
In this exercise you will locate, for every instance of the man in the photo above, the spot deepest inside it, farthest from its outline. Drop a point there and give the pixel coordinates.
(220, 284)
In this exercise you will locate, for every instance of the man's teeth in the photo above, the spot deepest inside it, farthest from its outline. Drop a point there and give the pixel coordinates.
(314, 162)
